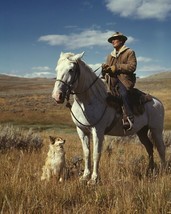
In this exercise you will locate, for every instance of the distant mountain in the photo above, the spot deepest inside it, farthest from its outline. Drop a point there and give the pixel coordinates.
(15, 84)
(161, 75)
(166, 74)
(7, 77)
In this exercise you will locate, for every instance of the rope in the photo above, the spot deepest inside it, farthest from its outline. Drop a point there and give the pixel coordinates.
(68, 105)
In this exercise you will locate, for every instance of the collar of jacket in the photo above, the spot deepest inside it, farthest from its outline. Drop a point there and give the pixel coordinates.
(114, 54)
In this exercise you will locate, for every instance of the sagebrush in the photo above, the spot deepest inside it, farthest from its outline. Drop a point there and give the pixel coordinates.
(15, 138)
(124, 186)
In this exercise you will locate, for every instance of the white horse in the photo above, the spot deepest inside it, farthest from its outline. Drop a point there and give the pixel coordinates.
(92, 115)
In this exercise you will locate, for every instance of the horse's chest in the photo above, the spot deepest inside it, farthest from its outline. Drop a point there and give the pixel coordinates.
(86, 114)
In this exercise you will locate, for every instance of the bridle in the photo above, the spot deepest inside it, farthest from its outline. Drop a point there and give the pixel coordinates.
(70, 85)
(69, 91)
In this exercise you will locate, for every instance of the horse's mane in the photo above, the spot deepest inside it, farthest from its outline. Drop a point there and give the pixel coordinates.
(89, 77)
(64, 57)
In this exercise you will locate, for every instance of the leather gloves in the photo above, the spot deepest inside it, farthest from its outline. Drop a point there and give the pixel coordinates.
(113, 68)
(108, 69)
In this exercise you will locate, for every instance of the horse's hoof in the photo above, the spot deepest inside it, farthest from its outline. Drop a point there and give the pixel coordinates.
(84, 180)
(92, 182)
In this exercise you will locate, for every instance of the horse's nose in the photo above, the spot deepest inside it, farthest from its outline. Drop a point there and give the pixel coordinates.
(58, 97)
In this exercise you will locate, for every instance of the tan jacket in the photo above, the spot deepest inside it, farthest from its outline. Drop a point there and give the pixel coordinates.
(126, 63)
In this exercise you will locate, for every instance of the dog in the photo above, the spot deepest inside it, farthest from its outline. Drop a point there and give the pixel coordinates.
(55, 161)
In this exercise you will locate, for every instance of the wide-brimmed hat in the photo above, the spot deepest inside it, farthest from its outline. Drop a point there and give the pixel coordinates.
(117, 35)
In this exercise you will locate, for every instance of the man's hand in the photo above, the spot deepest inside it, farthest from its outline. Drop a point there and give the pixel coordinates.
(104, 66)
(108, 69)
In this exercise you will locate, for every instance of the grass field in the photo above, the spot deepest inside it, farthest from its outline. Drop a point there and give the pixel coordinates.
(29, 101)
(124, 186)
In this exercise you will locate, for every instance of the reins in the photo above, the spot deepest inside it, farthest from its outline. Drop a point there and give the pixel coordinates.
(82, 92)
(88, 126)
(69, 92)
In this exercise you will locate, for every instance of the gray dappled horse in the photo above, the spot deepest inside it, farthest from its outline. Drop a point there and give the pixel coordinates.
(92, 115)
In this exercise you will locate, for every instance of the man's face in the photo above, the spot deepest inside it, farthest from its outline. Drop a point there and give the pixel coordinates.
(117, 43)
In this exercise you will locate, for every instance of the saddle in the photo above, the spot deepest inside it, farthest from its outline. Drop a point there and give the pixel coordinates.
(137, 100)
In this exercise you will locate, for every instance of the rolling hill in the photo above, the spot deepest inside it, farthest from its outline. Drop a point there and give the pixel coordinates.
(28, 100)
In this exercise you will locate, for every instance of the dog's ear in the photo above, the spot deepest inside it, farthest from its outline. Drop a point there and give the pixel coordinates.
(52, 139)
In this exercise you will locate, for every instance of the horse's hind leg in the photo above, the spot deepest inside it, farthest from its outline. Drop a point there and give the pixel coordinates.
(143, 136)
(157, 136)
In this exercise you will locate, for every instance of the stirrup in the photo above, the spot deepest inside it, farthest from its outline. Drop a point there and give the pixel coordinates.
(128, 123)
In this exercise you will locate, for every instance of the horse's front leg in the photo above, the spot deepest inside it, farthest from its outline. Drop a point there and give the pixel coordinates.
(85, 140)
(97, 148)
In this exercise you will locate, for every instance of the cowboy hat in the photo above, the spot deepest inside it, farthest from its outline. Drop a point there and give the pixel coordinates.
(117, 35)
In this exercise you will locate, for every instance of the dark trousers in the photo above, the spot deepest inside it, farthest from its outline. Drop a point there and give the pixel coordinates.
(125, 99)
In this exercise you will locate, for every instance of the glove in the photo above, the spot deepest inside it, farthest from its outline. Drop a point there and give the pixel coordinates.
(113, 68)
(104, 69)
(108, 69)
(105, 66)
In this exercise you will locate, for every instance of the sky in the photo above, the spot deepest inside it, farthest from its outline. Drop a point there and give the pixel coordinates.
(33, 33)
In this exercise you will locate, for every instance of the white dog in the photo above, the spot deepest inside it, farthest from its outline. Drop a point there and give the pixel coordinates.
(55, 161)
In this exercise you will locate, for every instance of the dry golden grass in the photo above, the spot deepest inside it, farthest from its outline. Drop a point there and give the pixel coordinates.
(124, 188)
(28, 101)
(160, 88)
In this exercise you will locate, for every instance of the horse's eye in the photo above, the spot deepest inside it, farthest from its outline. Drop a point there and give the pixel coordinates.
(71, 70)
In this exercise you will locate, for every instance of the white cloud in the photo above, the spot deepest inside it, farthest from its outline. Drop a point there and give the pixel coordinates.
(143, 59)
(86, 38)
(39, 74)
(96, 68)
(41, 68)
(152, 68)
(53, 39)
(142, 9)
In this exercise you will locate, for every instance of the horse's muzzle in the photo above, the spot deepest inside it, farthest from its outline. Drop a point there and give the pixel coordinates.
(59, 97)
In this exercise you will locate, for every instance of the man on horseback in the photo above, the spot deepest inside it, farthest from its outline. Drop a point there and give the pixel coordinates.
(119, 70)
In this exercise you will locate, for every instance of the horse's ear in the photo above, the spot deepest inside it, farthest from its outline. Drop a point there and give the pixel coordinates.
(76, 57)
(81, 54)
(62, 53)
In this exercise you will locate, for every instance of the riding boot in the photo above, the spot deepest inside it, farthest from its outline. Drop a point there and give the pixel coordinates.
(128, 117)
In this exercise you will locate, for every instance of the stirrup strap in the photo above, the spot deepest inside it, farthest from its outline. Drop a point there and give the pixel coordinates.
(130, 123)
(127, 118)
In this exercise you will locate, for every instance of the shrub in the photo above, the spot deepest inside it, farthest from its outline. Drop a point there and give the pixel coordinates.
(16, 138)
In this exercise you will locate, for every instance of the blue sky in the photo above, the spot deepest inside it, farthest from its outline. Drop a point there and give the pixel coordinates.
(33, 33)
